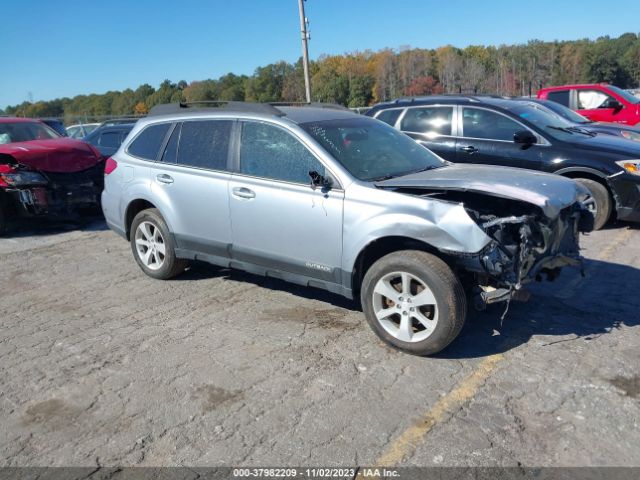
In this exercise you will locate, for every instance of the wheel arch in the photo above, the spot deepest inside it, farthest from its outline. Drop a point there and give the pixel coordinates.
(588, 173)
(378, 248)
(133, 208)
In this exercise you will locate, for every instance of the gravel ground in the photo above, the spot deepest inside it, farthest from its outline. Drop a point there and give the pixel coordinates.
(100, 365)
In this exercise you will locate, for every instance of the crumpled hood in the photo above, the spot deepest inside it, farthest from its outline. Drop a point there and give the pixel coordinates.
(56, 155)
(550, 192)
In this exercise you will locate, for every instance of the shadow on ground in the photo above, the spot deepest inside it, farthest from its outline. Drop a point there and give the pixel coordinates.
(581, 308)
(201, 271)
(40, 226)
(574, 307)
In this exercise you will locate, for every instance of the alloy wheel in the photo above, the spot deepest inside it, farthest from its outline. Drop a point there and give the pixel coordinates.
(405, 306)
(150, 245)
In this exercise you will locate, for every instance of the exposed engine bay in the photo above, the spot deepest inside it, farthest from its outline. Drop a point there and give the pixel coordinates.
(526, 243)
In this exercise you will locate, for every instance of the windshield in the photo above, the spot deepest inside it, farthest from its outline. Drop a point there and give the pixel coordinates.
(371, 150)
(624, 94)
(566, 112)
(551, 123)
(25, 131)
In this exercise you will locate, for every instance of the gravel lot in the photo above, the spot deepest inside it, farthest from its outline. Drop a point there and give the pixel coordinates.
(100, 365)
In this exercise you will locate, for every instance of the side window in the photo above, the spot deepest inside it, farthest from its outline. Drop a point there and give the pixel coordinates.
(485, 124)
(270, 152)
(559, 96)
(204, 144)
(430, 121)
(147, 144)
(170, 154)
(110, 139)
(389, 116)
(593, 99)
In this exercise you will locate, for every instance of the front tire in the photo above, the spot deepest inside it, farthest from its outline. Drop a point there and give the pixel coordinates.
(413, 302)
(600, 202)
(152, 246)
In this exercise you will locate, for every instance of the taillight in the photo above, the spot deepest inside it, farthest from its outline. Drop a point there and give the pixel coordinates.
(110, 165)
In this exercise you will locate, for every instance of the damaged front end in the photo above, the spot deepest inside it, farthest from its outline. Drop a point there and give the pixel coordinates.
(526, 244)
(532, 221)
(28, 192)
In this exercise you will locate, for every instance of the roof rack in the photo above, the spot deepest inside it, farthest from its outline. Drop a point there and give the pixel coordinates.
(248, 107)
(330, 106)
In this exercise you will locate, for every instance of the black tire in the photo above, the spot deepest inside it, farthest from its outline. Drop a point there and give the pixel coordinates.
(602, 201)
(439, 278)
(170, 265)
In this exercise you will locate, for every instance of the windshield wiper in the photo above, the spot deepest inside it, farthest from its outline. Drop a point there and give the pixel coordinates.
(395, 175)
(562, 129)
(382, 178)
(581, 130)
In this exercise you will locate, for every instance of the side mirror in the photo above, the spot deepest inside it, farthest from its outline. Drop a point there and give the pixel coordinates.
(616, 105)
(525, 137)
(318, 180)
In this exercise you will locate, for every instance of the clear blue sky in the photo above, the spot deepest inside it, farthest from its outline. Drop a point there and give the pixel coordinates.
(69, 47)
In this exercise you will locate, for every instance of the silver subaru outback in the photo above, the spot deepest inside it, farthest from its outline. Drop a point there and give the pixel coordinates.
(326, 198)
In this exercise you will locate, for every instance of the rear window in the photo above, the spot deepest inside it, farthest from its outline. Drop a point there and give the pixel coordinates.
(389, 116)
(147, 144)
(560, 96)
(110, 139)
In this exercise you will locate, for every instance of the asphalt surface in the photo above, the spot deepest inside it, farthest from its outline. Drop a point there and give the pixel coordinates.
(101, 365)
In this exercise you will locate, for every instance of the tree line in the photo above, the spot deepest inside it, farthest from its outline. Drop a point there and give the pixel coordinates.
(362, 78)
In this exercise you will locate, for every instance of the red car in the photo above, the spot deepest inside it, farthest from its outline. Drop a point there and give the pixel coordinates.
(43, 173)
(598, 102)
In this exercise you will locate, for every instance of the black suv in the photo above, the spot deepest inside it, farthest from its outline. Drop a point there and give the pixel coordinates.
(497, 131)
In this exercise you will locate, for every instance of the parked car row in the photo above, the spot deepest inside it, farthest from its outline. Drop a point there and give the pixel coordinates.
(324, 197)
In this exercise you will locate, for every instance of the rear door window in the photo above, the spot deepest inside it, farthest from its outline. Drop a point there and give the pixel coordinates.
(170, 154)
(389, 116)
(147, 144)
(204, 144)
(559, 96)
(485, 124)
(430, 121)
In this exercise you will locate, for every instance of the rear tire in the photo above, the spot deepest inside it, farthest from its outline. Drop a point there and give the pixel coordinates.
(601, 202)
(413, 302)
(152, 246)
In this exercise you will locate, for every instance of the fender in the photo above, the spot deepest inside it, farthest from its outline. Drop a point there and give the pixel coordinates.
(591, 171)
(441, 224)
(140, 192)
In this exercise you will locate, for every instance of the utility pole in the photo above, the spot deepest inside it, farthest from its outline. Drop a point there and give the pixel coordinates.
(305, 49)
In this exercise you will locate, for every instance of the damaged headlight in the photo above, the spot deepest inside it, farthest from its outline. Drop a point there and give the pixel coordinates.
(635, 136)
(20, 179)
(630, 166)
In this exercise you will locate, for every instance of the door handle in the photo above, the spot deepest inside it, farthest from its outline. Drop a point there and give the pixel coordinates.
(469, 149)
(164, 178)
(243, 192)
